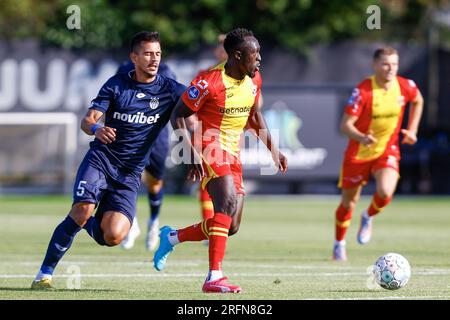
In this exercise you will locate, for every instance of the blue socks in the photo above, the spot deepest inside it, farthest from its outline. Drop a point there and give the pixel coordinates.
(92, 227)
(59, 243)
(155, 201)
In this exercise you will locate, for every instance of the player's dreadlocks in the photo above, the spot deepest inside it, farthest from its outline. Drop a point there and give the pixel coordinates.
(235, 39)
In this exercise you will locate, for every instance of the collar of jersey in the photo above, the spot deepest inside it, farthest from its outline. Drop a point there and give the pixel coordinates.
(232, 80)
(137, 83)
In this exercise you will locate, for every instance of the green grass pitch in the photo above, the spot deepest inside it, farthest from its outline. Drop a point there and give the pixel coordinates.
(282, 251)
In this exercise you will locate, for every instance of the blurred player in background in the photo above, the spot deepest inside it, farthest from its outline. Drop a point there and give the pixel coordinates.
(372, 121)
(224, 99)
(153, 176)
(137, 106)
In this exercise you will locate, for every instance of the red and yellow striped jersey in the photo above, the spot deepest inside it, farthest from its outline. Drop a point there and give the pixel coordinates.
(380, 112)
(223, 105)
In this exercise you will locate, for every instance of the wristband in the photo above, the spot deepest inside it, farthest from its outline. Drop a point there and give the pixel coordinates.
(94, 127)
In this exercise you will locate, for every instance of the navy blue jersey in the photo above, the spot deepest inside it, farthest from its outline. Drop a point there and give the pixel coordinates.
(138, 111)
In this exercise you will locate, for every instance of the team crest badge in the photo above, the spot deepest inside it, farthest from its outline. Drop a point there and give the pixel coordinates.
(401, 101)
(154, 103)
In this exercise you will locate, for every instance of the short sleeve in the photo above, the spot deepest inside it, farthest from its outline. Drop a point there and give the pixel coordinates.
(412, 90)
(105, 97)
(197, 93)
(257, 81)
(355, 103)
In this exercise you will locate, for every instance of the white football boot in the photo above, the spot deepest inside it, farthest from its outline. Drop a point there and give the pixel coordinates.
(151, 242)
(134, 232)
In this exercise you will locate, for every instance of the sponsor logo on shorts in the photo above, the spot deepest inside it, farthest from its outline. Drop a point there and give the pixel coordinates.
(355, 179)
(392, 161)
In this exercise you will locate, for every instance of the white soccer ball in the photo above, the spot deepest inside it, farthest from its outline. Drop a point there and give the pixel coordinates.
(392, 271)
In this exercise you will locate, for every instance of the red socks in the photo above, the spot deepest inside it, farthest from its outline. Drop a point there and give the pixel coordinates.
(196, 232)
(377, 204)
(343, 217)
(216, 229)
(218, 235)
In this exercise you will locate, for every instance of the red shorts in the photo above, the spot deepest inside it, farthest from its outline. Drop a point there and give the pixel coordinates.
(220, 163)
(356, 173)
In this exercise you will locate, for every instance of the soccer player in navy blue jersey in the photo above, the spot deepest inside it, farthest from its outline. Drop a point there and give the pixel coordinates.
(153, 175)
(136, 106)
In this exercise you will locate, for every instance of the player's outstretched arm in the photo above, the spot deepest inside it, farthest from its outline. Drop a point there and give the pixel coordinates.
(90, 126)
(178, 121)
(348, 128)
(410, 134)
(258, 126)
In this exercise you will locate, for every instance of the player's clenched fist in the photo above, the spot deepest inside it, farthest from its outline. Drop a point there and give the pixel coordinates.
(106, 134)
(409, 137)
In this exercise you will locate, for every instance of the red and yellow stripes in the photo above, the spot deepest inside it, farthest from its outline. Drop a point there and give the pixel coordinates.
(204, 228)
(218, 231)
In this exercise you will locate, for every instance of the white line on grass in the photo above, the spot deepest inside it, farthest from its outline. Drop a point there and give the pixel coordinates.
(185, 263)
(190, 275)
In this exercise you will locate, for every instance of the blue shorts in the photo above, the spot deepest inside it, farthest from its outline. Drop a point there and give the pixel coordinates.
(110, 188)
(157, 160)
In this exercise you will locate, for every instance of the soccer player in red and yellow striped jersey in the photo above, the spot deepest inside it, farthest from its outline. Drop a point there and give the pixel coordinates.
(224, 99)
(372, 121)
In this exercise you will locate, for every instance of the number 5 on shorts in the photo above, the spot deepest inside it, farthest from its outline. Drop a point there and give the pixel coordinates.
(80, 188)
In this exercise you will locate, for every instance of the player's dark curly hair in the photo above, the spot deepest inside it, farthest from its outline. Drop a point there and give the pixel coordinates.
(235, 39)
(143, 36)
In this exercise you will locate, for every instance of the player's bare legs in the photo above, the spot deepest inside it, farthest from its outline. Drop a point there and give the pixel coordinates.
(350, 197)
(115, 226)
(386, 182)
(236, 223)
(81, 212)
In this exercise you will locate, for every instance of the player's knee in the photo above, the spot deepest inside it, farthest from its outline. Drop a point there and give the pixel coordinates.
(385, 193)
(350, 204)
(155, 187)
(112, 239)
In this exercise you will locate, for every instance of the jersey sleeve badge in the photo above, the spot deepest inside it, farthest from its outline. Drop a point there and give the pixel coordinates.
(193, 92)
